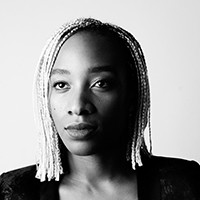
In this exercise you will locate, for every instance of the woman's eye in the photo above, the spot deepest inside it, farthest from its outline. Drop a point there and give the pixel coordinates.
(61, 86)
(102, 84)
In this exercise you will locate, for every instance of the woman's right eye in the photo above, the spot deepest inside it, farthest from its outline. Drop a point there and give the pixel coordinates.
(61, 85)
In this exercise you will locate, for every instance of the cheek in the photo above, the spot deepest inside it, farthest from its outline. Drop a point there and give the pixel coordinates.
(113, 106)
(57, 105)
(113, 114)
(54, 106)
(57, 112)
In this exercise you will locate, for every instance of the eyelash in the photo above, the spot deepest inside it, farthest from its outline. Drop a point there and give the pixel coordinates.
(99, 85)
(105, 83)
(58, 84)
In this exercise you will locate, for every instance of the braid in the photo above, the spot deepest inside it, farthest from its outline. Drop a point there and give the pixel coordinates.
(49, 161)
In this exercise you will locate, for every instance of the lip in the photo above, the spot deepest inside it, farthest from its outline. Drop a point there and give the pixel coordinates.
(80, 131)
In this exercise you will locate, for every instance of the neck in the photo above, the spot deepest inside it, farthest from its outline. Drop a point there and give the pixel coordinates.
(96, 167)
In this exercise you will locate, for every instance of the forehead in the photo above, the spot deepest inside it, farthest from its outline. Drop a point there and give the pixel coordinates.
(101, 36)
(92, 46)
(97, 39)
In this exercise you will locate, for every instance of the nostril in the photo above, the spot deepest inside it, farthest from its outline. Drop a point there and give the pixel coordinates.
(83, 110)
(79, 112)
(70, 112)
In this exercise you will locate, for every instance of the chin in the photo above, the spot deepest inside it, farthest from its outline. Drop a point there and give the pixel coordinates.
(82, 149)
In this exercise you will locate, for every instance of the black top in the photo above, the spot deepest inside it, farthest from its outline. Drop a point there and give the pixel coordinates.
(158, 179)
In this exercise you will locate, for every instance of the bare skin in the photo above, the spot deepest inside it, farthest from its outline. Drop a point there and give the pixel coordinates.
(91, 179)
(86, 89)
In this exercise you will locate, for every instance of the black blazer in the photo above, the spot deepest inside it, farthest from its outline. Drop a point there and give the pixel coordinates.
(158, 179)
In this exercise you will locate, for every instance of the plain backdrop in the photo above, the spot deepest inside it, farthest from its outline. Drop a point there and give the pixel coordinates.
(169, 33)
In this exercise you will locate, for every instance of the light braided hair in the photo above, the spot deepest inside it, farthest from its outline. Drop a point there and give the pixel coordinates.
(49, 161)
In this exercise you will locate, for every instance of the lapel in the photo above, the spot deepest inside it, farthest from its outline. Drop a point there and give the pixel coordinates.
(148, 180)
(49, 190)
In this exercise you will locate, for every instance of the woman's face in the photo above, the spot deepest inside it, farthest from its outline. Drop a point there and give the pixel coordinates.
(89, 100)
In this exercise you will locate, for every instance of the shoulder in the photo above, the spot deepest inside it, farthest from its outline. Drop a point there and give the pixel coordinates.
(177, 177)
(171, 164)
(175, 168)
(19, 184)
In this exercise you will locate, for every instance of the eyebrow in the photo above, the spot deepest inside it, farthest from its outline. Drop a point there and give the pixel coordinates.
(96, 69)
(60, 71)
(106, 68)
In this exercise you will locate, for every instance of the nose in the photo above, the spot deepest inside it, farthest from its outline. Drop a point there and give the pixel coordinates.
(81, 104)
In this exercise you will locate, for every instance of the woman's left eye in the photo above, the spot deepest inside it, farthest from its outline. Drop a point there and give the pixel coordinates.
(102, 84)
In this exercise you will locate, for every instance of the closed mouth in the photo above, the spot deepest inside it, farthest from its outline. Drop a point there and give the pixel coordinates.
(80, 126)
(80, 130)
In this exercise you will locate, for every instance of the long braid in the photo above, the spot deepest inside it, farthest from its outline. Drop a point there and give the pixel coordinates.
(49, 162)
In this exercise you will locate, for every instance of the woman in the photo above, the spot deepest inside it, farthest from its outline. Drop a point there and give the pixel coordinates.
(94, 105)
